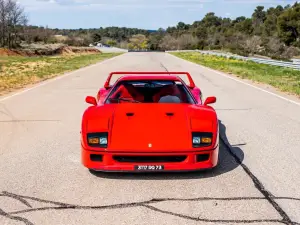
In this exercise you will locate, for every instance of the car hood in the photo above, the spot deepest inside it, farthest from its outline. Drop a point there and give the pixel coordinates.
(152, 127)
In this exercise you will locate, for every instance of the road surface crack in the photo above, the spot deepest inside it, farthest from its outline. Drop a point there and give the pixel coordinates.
(16, 218)
(259, 186)
(146, 204)
(163, 66)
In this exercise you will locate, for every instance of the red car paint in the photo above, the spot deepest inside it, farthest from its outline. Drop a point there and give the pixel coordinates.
(154, 135)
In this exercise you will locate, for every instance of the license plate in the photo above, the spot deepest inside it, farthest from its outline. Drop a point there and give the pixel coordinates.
(149, 167)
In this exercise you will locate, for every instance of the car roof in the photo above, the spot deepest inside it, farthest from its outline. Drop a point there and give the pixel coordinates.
(149, 77)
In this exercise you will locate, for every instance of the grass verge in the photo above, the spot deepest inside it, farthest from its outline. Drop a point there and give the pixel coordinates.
(284, 79)
(17, 72)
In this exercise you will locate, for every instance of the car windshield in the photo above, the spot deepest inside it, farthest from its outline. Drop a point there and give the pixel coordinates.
(154, 91)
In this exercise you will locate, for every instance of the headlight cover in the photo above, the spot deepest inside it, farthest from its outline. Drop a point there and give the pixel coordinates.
(97, 139)
(201, 139)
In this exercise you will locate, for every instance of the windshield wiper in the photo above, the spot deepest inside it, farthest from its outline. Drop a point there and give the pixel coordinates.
(124, 99)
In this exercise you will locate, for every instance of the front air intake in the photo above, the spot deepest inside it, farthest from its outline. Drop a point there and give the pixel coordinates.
(150, 159)
(96, 158)
(202, 157)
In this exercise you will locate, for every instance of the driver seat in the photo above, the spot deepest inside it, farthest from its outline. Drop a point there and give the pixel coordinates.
(170, 90)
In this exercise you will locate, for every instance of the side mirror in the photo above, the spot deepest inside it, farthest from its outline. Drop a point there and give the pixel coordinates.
(91, 100)
(210, 100)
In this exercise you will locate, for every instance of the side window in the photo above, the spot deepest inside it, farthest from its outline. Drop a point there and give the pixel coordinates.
(186, 97)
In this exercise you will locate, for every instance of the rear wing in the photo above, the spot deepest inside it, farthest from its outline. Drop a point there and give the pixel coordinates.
(190, 83)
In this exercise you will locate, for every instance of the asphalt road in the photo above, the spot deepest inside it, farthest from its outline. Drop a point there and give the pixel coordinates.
(43, 182)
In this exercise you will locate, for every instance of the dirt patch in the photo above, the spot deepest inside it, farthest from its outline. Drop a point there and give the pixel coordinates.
(78, 50)
(67, 51)
(48, 50)
(8, 52)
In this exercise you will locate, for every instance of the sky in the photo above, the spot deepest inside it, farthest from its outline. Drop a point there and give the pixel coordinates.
(144, 14)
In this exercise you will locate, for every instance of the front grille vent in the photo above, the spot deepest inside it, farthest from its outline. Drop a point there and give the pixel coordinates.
(150, 159)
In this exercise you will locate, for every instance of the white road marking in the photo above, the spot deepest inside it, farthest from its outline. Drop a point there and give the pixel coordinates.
(237, 80)
(57, 78)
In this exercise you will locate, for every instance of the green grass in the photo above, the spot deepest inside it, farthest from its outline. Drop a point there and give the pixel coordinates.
(17, 72)
(285, 79)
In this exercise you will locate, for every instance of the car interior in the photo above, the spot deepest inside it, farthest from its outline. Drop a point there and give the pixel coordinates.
(150, 92)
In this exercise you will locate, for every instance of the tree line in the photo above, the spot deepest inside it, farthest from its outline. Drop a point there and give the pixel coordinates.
(274, 32)
(12, 22)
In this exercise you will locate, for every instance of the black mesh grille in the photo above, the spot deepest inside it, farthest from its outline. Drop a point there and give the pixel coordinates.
(142, 159)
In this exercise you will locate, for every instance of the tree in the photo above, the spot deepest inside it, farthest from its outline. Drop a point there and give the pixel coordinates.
(123, 44)
(12, 20)
(239, 19)
(275, 47)
(258, 18)
(236, 42)
(290, 52)
(111, 42)
(270, 25)
(211, 20)
(138, 41)
(169, 43)
(259, 15)
(187, 41)
(155, 40)
(253, 44)
(244, 26)
(182, 26)
(289, 25)
(96, 37)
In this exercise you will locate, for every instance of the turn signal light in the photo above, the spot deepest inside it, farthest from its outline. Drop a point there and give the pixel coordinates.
(206, 140)
(93, 140)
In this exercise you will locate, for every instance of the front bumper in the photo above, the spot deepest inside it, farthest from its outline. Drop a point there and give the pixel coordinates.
(109, 161)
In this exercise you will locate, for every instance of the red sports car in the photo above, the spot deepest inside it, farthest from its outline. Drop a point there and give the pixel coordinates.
(149, 121)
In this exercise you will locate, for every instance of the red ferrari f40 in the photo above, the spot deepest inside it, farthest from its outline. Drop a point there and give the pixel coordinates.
(149, 121)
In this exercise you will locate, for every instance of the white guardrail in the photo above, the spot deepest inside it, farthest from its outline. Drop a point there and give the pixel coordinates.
(294, 65)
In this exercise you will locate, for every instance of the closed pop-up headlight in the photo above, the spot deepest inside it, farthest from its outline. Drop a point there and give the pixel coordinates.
(97, 139)
(201, 139)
